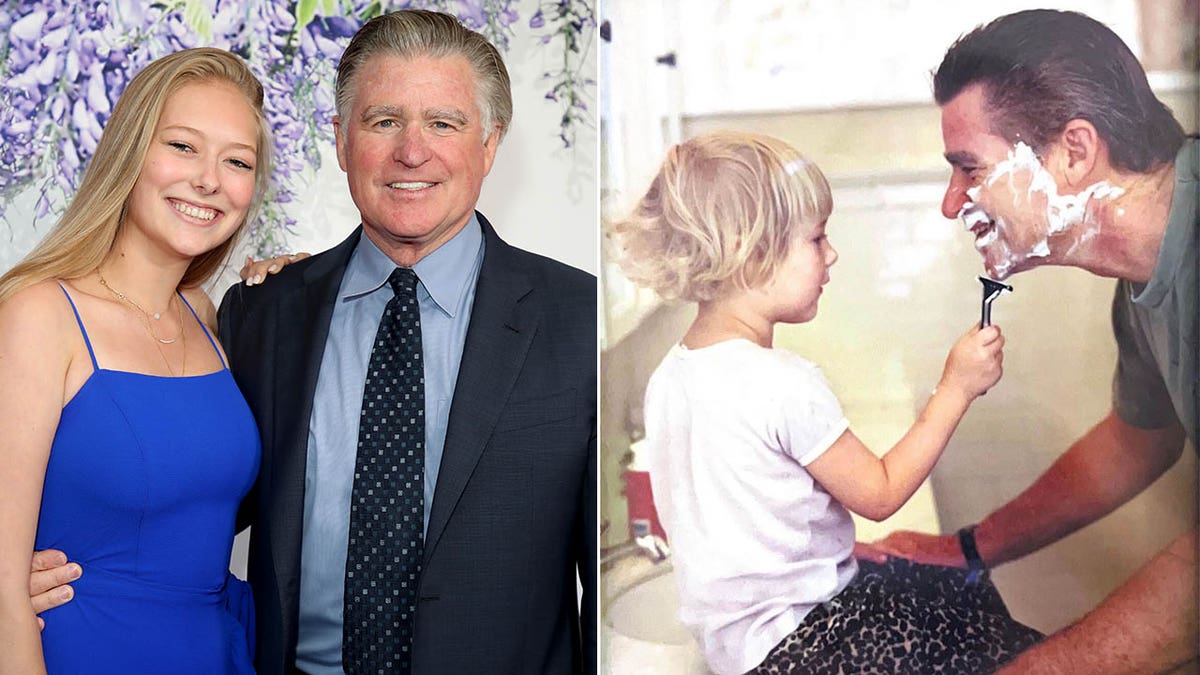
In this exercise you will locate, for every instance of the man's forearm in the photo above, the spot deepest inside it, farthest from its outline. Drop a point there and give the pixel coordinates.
(1148, 625)
(1105, 468)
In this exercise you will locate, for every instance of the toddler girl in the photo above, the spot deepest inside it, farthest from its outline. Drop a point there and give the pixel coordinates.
(753, 465)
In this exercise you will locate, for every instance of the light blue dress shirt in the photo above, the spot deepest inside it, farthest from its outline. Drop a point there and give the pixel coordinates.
(445, 295)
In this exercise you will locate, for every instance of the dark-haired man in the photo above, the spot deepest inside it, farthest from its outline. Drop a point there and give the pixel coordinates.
(1062, 155)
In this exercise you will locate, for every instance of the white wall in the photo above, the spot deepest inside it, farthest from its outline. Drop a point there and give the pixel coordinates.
(787, 55)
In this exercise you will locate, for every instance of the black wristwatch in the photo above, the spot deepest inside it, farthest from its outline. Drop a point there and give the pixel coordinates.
(975, 564)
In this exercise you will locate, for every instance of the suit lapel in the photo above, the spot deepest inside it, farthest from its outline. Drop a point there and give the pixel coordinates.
(302, 325)
(503, 323)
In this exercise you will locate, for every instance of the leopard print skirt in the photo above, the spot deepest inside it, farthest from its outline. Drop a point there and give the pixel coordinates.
(904, 617)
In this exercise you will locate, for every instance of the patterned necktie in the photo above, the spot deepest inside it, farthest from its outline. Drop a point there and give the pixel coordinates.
(383, 559)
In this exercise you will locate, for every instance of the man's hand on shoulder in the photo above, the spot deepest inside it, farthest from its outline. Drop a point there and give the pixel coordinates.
(49, 576)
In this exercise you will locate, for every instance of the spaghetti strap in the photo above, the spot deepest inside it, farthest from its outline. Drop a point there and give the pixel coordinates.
(205, 329)
(86, 341)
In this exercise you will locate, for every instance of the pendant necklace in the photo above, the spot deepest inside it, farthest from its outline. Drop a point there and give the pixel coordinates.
(158, 342)
(157, 315)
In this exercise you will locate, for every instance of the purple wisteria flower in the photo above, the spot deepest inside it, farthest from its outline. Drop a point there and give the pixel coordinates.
(573, 22)
(493, 18)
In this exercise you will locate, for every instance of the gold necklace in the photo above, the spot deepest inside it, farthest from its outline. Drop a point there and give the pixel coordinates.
(157, 315)
(158, 342)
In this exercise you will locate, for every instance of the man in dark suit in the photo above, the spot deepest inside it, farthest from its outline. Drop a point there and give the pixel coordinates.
(502, 488)
(509, 375)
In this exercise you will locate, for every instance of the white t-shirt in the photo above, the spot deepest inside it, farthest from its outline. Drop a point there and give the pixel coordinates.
(757, 543)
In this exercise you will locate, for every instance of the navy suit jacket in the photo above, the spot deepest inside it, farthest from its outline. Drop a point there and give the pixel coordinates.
(514, 509)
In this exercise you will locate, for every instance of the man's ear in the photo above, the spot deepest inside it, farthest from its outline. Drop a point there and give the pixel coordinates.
(489, 148)
(1082, 149)
(339, 141)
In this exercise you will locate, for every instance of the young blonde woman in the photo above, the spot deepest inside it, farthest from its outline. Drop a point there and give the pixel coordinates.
(126, 441)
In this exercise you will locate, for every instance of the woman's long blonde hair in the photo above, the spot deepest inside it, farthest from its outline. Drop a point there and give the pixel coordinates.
(88, 229)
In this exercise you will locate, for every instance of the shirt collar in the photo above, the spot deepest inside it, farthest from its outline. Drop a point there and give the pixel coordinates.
(1180, 232)
(446, 273)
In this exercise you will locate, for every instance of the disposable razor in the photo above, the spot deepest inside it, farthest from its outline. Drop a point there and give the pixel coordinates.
(991, 290)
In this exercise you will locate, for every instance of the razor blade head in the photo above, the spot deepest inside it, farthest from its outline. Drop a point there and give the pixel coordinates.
(991, 290)
(991, 286)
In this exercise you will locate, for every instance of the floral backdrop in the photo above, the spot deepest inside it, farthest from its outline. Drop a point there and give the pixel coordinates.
(65, 63)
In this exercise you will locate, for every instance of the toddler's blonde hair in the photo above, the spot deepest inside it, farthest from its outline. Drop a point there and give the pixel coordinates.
(722, 212)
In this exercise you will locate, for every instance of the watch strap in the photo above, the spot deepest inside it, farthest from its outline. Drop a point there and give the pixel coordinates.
(975, 564)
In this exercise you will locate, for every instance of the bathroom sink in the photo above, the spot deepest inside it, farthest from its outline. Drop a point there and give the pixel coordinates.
(640, 628)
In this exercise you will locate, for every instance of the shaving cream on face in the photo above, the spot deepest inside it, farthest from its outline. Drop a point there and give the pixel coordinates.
(1062, 212)
(997, 254)
(970, 214)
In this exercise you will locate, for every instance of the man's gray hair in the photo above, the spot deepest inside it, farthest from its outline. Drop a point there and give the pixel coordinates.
(413, 33)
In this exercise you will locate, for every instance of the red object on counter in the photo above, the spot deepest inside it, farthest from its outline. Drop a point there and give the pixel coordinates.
(643, 516)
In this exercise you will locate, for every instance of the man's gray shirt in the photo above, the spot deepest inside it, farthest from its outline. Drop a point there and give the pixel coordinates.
(1156, 324)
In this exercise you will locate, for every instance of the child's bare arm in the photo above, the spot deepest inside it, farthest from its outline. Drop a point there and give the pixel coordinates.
(876, 487)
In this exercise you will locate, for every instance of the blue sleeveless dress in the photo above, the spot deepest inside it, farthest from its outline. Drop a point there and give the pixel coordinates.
(142, 489)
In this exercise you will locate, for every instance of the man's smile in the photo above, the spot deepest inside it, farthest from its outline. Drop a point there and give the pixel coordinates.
(411, 186)
(978, 222)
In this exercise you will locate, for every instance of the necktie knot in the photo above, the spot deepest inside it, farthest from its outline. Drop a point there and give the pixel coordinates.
(403, 281)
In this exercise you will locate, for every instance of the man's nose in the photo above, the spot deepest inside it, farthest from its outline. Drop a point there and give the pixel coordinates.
(412, 148)
(955, 197)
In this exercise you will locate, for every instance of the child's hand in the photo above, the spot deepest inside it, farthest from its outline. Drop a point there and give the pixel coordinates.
(975, 362)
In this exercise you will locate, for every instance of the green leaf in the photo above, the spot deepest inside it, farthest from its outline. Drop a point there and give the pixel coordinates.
(197, 17)
(370, 12)
(305, 11)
